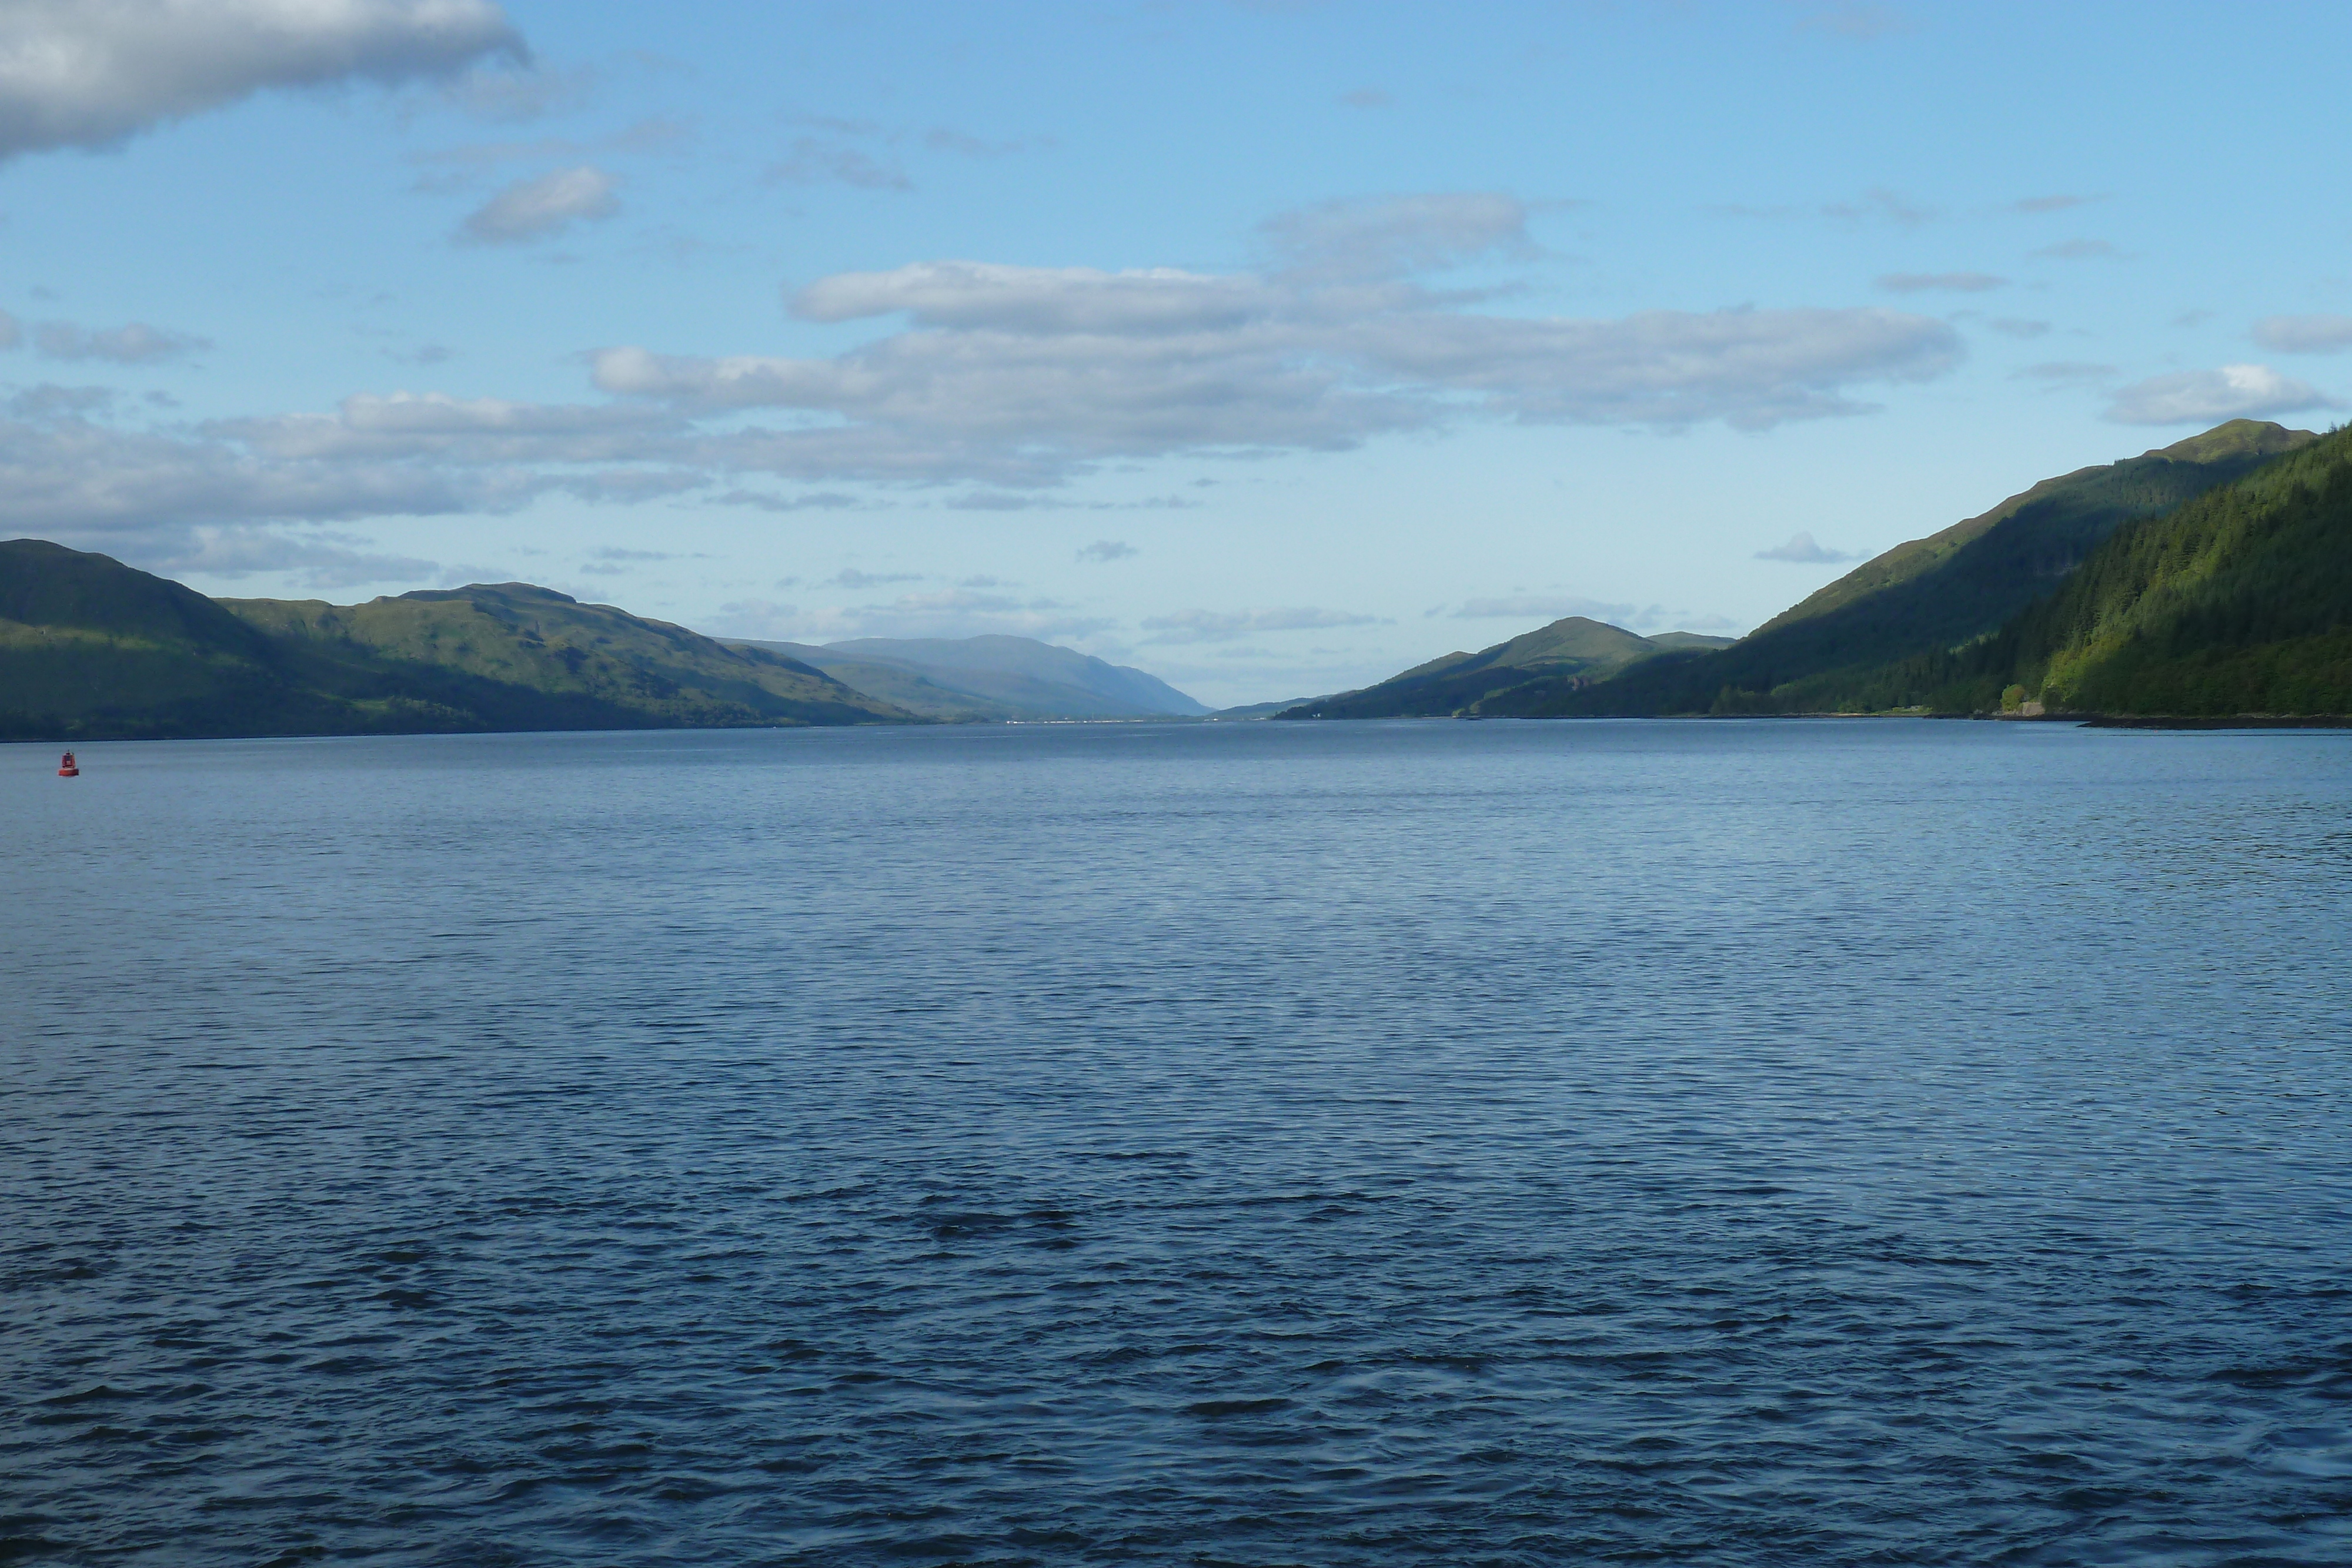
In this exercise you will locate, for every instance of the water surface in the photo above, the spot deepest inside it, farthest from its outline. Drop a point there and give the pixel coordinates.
(1771, 1142)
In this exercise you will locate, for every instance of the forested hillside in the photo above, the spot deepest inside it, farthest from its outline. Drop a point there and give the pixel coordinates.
(2239, 602)
(1873, 641)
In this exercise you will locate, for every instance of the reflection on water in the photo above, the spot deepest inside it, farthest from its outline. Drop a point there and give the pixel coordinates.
(1744, 1143)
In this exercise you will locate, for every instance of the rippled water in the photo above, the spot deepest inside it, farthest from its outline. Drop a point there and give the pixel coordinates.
(1732, 1143)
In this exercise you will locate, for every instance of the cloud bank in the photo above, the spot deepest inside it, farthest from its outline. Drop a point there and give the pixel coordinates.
(135, 344)
(954, 612)
(1020, 376)
(2305, 334)
(1801, 547)
(92, 73)
(1004, 380)
(2208, 397)
(535, 209)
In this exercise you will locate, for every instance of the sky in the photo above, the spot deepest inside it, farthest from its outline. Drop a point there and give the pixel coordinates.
(1271, 347)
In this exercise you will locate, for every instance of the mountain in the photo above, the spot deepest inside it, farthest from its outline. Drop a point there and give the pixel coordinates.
(990, 677)
(89, 647)
(2239, 602)
(92, 649)
(1569, 653)
(1265, 710)
(1847, 647)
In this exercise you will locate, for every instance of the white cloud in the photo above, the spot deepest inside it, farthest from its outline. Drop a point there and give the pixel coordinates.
(953, 612)
(135, 344)
(70, 475)
(472, 431)
(11, 332)
(50, 401)
(1108, 550)
(318, 562)
(1020, 375)
(2208, 397)
(1041, 301)
(90, 73)
(1954, 282)
(2305, 334)
(1399, 237)
(822, 501)
(1801, 547)
(534, 209)
(1004, 382)
(814, 160)
(1223, 626)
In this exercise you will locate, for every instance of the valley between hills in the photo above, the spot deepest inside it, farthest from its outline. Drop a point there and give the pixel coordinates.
(2206, 581)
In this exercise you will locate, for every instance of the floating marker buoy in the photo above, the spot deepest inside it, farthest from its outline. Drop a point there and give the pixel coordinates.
(69, 769)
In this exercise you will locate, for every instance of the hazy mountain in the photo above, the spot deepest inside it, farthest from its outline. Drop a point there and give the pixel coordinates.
(1265, 710)
(1570, 651)
(1843, 649)
(91, 649)
(990, 677)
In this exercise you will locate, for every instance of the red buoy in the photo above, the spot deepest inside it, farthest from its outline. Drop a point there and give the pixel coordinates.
(67, 769)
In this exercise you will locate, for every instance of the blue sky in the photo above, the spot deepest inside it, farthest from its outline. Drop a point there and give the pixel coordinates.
(1272, 347)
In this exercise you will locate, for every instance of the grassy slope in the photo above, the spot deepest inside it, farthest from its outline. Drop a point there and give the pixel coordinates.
(1566, 650)
(92, 649)
(89, 647)
(2239, 602)
(1860, 644)
(526, 657)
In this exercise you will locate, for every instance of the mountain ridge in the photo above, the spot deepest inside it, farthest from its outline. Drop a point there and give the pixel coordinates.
(2238, 603)
(992, 676)
(1851, 651)
(93, 649)
(1575, 649)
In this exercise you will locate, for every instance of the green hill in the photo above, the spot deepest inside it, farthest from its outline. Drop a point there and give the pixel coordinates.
(92, 649)
(86, 642)
(1565, 654)
(2239, 602)
(1856, 644)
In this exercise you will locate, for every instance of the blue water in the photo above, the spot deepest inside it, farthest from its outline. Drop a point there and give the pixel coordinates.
(1771, 1143)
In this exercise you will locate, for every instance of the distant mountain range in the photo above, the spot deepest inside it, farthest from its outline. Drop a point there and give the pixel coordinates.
(989, 677)
(92, 649)
(2210, 577)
